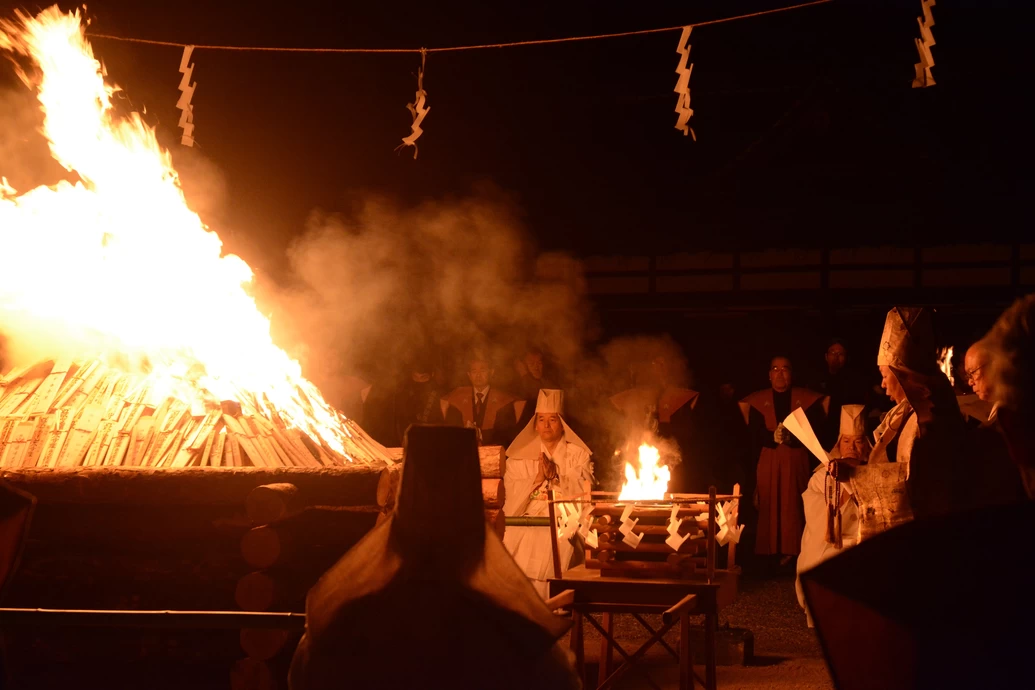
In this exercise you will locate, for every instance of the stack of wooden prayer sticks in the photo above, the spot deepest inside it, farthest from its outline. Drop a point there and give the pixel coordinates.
(68, 414)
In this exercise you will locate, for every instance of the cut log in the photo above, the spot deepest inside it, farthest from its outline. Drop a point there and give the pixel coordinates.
(493, 493)
(255, 592)
(347, 485)
(265, 546)
(493, 460)
(263, 643)
(498, 520)
(280, 589)
(269, 503)
(317, 526)
(388, 485)
(251, 674)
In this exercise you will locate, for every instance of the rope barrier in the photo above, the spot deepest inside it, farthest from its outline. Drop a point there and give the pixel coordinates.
(482, 46)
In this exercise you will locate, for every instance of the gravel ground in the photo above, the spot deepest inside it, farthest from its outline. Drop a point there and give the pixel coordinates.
(787, 653)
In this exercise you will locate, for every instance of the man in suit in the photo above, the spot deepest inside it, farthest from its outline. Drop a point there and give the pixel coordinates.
(493, 412)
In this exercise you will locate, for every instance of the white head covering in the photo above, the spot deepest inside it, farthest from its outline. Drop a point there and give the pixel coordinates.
(852, 421)
(527, 445)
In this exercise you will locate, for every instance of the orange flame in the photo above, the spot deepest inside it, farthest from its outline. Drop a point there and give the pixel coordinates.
(945, 364)
(650, 482)
(117, 263)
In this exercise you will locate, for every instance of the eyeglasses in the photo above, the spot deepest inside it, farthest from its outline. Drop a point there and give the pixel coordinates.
(972, 376)
(785, 370)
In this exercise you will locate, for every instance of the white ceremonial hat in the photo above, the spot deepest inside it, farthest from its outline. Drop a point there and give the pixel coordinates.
(853, 423)
(551, 401)
(527, 445)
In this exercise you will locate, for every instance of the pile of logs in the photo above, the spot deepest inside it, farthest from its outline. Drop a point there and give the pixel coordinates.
(116, 538)
(85, 414)
(217, 539)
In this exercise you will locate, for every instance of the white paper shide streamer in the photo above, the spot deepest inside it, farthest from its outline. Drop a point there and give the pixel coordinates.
(683, 85)
(923, 77)
(187, 93)
(417, 109)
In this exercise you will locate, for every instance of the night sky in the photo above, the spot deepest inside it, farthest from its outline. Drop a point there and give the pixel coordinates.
(808, 130)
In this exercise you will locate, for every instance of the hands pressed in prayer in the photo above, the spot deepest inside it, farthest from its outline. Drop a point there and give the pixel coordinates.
(547, 470)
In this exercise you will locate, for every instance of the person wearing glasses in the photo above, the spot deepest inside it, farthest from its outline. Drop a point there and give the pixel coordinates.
(784, 465)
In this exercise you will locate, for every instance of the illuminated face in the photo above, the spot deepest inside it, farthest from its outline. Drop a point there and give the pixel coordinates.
(780, 374)
(534, 364)
(836, 357)
(549, 428)
(974, 365)
(479, 373)
(891, 385)
(853, 447)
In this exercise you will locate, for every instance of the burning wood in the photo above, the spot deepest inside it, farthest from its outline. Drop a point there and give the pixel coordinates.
(133, 274)
(74, 414)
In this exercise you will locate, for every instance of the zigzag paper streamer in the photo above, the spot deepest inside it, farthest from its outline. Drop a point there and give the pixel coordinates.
(417, 109)
(187, 89)
(923, 77)
(683, 85)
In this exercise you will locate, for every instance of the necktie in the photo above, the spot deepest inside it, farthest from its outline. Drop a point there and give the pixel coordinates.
(479, 410)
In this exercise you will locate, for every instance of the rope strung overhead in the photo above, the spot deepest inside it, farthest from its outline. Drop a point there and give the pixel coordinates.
(418, 108)
(513, 44)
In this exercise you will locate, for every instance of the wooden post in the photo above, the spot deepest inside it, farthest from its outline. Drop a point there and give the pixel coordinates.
(577, 644)
(686, 657)
(553, 537)
(731, 553)
(711, 534)
(710, 625)
(606, 650)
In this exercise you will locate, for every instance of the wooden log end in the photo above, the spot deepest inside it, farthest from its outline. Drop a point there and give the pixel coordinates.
(388, 485)
(263, 643)
(252, 674)
(269, 503)
(262, 547)
(255, 592)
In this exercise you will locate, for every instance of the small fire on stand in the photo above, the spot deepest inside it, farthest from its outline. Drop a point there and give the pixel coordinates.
(650, 481)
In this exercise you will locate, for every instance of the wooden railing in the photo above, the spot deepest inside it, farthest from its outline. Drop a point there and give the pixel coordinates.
(790, 277)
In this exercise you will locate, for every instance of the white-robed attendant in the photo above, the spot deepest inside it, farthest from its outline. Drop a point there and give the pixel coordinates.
(831, 512)
(546, 455)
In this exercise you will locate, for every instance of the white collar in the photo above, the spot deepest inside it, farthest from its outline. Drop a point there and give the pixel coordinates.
(484, 392)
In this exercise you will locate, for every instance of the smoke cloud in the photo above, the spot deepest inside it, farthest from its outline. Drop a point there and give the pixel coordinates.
(384, 285)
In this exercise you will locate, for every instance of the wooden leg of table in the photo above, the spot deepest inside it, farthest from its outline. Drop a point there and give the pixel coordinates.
(686, 657)
(606, 664)
(710, 625)
(577, 644)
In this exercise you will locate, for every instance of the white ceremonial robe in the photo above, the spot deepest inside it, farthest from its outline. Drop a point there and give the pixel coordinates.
(814, 546)
(530, 546)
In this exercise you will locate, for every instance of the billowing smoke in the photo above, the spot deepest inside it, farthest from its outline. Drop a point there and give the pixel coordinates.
(385, 284)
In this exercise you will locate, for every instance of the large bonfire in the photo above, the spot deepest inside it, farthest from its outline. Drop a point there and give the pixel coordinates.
(164, 359)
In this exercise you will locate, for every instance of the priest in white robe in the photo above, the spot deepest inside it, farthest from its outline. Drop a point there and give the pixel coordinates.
(826, 498)
(546, 455)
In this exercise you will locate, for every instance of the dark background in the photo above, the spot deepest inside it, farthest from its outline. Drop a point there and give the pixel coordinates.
(808, 131)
